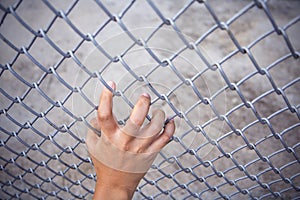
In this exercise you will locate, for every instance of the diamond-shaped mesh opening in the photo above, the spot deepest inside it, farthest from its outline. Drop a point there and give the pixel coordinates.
(227, 72)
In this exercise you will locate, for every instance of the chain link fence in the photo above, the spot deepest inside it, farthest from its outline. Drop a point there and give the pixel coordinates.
(226, 71)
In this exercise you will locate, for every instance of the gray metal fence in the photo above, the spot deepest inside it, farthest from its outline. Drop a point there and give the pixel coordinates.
(226, 71)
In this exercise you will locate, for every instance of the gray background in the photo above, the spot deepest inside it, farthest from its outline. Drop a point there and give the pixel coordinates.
(69, 172)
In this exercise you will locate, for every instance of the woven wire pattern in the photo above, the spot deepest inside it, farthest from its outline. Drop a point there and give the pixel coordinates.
(255, 154)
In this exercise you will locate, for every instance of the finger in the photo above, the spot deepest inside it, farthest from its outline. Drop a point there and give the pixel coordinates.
(140, 110)
(157, 121)
(164, 138)
(155, 126)
(106, 119)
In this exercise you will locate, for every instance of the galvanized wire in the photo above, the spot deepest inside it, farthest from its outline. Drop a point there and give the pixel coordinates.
(44, 158)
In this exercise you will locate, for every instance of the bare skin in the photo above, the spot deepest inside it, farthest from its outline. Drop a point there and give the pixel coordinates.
(114, 182)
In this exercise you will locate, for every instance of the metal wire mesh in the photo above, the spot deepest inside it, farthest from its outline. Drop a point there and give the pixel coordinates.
(236, 106)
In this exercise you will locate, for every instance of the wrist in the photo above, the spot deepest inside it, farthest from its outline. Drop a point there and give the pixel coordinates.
(114, 184)
(112, 192)
(108, 177)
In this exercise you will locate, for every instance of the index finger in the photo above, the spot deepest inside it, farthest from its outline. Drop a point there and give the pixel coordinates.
(140, 110)
(137, 116)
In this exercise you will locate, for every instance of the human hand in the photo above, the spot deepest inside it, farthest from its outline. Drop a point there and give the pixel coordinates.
(122, 155)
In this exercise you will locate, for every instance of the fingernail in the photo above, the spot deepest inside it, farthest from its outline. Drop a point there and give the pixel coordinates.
(146, 95)
(111, 84)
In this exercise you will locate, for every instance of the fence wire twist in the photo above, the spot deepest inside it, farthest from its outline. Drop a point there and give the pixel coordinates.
(255, 155)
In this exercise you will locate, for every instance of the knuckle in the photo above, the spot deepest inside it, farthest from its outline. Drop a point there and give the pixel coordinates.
(140, 150)
(102, 116)
(137, 122)
(165, 138)
(125, 146)
(159, 113)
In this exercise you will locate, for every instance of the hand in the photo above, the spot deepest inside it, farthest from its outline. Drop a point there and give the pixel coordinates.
(122, 155)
